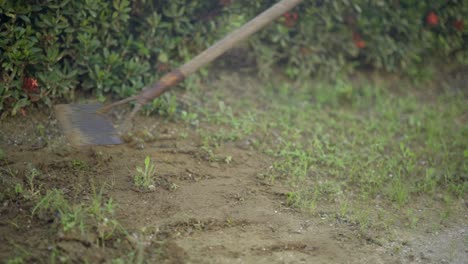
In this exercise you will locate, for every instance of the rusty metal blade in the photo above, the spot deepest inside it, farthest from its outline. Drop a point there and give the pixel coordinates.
(83, 125)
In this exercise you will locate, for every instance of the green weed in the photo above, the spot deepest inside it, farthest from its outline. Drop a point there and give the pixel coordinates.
(15, 260)
(101, 212)
(344, 208)
(97, 216)
(228, 159)
(145, 176)
(71, 217)
(166, 105)
(398, 191)
(19, 189)
(209, 154)
(33, 190)
(79, 165)
(190, 118)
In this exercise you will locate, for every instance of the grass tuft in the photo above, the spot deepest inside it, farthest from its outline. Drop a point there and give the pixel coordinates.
(145, 176)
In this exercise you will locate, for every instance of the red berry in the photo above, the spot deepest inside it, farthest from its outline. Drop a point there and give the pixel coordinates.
(360, 44)
(432, 19)
(290, 19)
(458, 24)
(30, 84)
(358, 41)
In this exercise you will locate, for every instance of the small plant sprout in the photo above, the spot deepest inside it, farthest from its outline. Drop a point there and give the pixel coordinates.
(31, 189)
(102, 212)
(71, 217)
(31, 177)
(144, 177)
(19, 188)
(190, 118)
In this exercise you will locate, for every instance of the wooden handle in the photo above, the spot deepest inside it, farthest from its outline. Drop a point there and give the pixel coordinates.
(238, 35)
(171, 79)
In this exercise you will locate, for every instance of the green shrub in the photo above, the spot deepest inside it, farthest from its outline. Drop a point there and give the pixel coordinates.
(324, 37)
(51, 49)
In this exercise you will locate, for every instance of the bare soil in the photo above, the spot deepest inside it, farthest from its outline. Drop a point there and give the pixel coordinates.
(200, 212)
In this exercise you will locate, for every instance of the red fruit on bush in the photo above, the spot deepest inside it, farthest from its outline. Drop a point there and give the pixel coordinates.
(432, 19)
(358, 41)
(360, 44)
(30, 85)
(290, 18)
(458, 24)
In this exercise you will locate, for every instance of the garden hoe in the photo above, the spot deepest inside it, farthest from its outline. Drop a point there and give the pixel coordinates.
(87, 124)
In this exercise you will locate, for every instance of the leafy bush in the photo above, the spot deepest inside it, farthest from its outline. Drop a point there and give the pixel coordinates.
(323, 37)
(51, 49)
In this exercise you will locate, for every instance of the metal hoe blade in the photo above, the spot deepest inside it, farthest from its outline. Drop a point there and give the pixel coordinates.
(83, 125)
